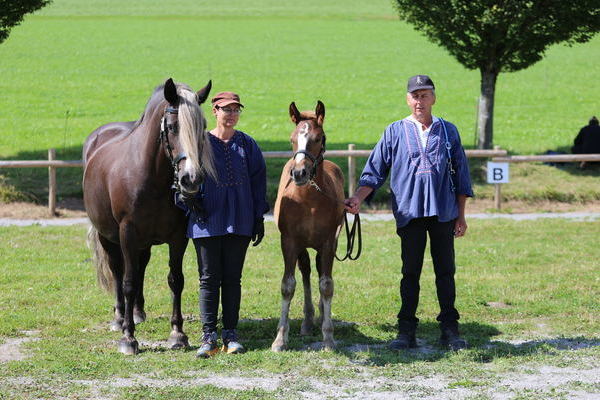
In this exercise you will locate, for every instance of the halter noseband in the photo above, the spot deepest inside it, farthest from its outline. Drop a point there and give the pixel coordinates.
(165, 129)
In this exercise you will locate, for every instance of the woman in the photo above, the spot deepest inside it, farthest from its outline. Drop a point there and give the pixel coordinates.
(232, 209)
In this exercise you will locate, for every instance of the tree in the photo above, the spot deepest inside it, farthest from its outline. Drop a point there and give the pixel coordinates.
(500, 36)
(12, 12)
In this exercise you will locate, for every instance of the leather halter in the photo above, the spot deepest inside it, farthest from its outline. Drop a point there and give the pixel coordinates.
(165, 129)
(315, 160)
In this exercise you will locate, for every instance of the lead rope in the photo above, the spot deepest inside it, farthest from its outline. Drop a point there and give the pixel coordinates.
(450, 167)
(351, 233)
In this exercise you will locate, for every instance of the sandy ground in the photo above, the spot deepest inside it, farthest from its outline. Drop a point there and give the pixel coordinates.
(73, 208)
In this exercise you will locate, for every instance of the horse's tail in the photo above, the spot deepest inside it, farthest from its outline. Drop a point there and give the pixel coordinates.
(104, 275)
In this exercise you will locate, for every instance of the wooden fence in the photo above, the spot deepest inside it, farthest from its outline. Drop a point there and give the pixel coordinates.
(497, 155)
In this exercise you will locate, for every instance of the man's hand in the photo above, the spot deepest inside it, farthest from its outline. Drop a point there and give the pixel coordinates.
(460, 227)
(352, 205)
(258, 232)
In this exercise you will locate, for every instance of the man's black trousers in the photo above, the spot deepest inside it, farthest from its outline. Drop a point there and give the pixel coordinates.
(414, 240)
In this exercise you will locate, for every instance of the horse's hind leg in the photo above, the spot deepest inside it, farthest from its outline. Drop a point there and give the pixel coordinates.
(326, 290)
(177, 338)
(139, 315)
(115, 264)
(288, 286)
(309, 309)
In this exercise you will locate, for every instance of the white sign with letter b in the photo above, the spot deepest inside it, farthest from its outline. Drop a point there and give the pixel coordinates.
(497, 172)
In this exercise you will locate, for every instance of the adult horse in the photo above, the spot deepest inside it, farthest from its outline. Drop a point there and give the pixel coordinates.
(130, 169)
(309, 212)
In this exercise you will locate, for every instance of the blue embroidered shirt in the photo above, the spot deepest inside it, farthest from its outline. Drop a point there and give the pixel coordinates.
(237, 198)
(420, 179)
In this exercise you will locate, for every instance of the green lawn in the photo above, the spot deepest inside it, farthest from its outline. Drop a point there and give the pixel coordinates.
(550, 293)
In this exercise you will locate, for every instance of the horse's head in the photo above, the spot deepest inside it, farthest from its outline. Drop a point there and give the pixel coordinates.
(308, 142)
(183, 133)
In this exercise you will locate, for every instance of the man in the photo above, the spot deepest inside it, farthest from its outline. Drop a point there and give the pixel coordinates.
(587, 140)
(430, 184)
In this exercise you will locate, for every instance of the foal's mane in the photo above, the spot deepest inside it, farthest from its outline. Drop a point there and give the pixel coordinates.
(192, 126)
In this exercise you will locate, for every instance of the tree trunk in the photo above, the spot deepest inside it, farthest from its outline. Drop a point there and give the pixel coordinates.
(485, 117)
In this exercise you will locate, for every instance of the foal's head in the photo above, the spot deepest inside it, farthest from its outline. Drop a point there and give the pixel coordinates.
(184, 135)
(308, 142)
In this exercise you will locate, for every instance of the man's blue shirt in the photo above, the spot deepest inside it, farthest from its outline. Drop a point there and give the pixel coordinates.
(420, 178)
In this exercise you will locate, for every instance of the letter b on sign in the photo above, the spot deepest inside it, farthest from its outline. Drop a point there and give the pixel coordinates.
(497, 172)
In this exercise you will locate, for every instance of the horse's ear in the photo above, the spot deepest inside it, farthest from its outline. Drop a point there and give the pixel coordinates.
(170, 92)
(202, 94)
(294, 113)
(320, 112)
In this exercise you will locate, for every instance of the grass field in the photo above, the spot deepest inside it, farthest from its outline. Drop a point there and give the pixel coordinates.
(527, 305)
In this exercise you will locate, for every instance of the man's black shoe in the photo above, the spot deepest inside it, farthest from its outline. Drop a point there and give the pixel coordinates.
(452, 340)
(403, 341)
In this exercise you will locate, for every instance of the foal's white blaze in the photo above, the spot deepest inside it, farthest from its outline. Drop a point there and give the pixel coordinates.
(302, 141)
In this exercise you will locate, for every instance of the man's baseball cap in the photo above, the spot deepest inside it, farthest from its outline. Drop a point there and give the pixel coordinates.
(419, 82)
(226, 98)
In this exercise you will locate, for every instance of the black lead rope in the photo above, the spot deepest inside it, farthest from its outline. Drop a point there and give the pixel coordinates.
(351, 235)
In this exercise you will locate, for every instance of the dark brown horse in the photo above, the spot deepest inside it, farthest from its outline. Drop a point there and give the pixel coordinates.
(130, 171)
(309, 212)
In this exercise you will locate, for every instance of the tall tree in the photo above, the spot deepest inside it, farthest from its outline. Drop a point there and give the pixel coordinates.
(500, 36)
(12, 12)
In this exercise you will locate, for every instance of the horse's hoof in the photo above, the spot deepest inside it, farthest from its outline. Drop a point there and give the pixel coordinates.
(129, 347)
(116, 325)
(139, 316)
(278, 347)
(178, 340)
(329, 346)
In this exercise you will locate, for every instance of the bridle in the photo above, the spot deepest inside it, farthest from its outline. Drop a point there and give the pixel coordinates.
(315, 160)
(165, 129)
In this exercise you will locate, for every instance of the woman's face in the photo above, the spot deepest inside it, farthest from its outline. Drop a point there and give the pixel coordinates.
(227, 116)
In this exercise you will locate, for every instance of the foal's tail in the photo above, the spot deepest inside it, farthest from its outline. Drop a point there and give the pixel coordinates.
(104, 275)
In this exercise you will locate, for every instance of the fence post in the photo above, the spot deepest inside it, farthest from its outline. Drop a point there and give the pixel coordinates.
(351, 171)
(52, 184)
(497, 196)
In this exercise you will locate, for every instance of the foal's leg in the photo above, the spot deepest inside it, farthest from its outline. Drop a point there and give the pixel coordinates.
(139, 315)
(115, 262)
(128, 238)
(326, 291)
(309, 309)
(178, 338)
(288, 286)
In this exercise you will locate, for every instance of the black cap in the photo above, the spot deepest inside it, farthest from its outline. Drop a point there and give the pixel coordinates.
(419, 82)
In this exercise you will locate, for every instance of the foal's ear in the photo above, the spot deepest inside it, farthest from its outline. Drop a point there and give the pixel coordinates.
(320, 112)
(294, 113)
(170, 92)
(202, 94)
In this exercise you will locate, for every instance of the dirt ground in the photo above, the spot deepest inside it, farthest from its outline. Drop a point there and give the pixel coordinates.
(73, 208)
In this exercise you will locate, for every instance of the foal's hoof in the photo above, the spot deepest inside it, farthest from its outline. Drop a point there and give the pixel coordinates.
(329, 345)
(277, 347)
(116, 325)
(139, 316)
(129, 347)
(178, 340)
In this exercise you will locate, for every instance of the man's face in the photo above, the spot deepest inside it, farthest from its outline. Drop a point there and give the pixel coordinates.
(421, 102)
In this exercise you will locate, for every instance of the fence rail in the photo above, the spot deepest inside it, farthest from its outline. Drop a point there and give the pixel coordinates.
(52, 164)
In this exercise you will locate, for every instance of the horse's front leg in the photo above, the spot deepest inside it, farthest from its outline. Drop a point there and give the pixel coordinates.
(326, 254)
(128, 238)
(139, 315)
(309, 309)
(288, 286)
(177, 339)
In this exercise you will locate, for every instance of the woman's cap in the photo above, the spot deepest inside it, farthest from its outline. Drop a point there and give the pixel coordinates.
(419, 82)
(223, 99)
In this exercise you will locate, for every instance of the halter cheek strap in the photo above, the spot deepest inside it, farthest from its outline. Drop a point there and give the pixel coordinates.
(315, 160)
(165, 129)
